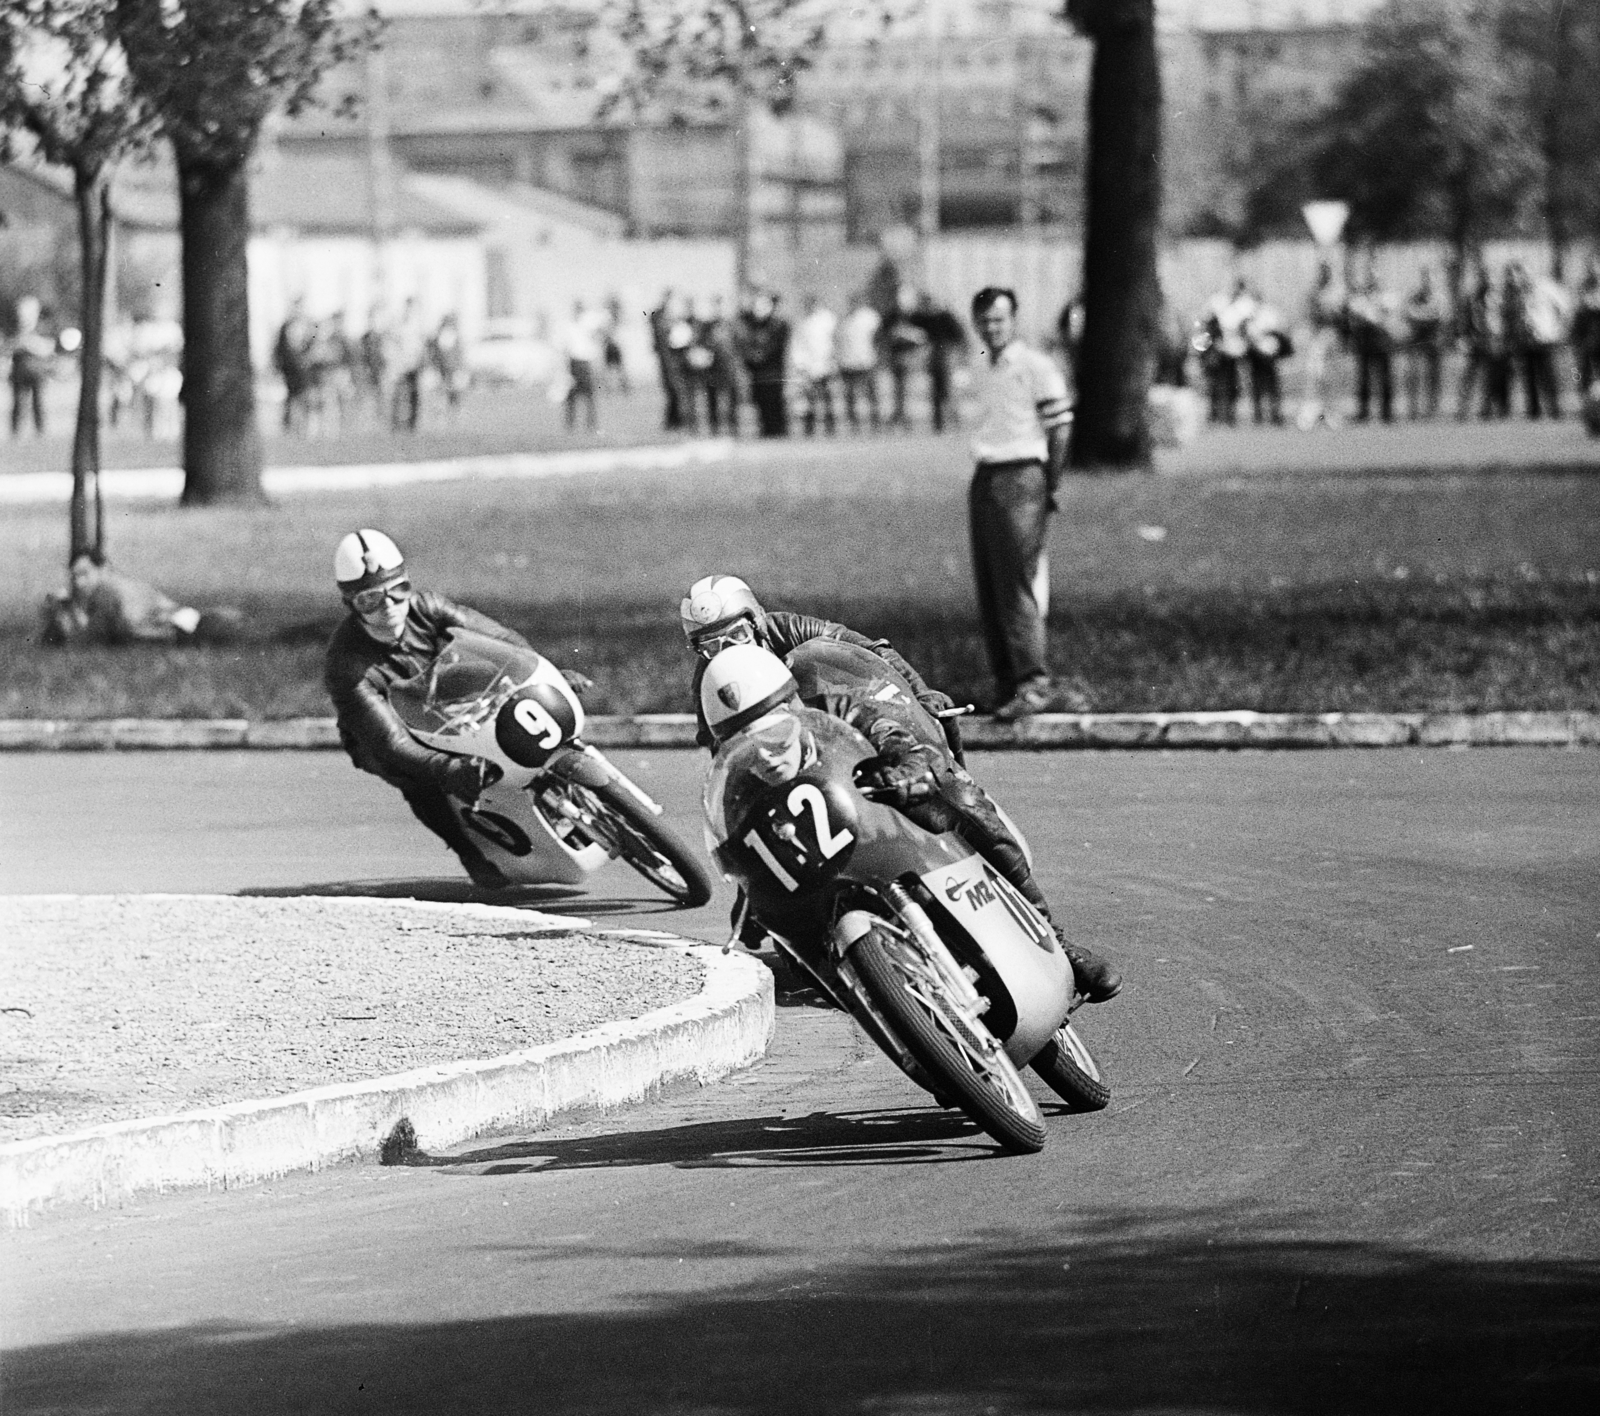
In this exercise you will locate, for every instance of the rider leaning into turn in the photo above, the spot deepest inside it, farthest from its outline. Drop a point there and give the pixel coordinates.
(722, 610)
(743, 684)
(393, 631)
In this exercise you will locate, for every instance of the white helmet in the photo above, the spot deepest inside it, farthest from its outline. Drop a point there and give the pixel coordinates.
(366, 559)
(743, 683)
(716, 601)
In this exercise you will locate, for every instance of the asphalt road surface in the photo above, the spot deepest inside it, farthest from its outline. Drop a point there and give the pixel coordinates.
(1350, 1164)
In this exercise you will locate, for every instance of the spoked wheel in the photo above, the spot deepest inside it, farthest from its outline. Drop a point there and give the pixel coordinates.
(1065, 1066)
(962, 1056)
(610, 817)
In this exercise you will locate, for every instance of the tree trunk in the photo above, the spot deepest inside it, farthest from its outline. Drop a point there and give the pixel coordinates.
(92, 193)
(1121, 284)
(221, 441)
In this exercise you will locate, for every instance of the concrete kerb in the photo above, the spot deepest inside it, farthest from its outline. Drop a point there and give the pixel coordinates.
(726, 1026)
(1047, 732)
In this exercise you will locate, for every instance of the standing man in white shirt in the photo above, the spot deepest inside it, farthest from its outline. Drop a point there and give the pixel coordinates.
(1021, 418)
(811, 355)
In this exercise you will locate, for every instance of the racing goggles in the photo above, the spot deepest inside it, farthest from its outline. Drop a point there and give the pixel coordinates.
(714, 641)
(368, 602)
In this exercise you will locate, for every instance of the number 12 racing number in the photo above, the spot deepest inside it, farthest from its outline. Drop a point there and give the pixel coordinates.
(805, 801)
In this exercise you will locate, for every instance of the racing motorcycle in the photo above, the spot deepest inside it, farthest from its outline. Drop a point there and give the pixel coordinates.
(939, 958)
(559, 809)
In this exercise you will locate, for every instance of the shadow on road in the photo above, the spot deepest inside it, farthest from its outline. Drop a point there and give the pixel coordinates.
(552, 899)
(1120, 1313)
(895, 1137)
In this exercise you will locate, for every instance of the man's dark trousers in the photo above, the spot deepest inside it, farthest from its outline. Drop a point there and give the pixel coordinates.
(1009, 509)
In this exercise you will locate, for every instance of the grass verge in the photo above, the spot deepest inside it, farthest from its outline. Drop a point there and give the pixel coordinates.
(1460, 591)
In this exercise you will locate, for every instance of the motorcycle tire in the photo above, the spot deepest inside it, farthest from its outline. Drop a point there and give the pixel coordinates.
(1065, 1066)
(612, 818)
(982, 1081)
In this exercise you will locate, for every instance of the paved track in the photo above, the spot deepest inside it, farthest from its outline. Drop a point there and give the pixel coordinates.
(1351, 1164)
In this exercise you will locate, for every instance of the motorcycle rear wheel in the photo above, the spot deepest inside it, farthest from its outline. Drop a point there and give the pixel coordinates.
(1065, 1066)
(961, 1056)
(612, 818)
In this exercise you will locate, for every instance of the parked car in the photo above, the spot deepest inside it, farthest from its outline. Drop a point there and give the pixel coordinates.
(511, 353)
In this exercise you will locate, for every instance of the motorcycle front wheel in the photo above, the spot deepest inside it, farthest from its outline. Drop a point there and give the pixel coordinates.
(611, 818)
(961, 1056)
(1066, 1067)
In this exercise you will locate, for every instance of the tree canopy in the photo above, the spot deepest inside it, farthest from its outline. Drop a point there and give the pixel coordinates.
(1459, 113)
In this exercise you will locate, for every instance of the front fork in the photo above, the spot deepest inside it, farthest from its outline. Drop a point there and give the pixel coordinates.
(586, 765)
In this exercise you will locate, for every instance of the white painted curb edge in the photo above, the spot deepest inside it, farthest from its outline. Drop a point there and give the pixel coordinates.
(1046, 732)
(726, 1026)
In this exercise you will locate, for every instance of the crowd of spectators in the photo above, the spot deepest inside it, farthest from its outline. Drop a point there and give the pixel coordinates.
(827, 371)
(1509, 334)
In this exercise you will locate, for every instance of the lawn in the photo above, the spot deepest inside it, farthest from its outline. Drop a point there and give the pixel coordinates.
(1265, 588)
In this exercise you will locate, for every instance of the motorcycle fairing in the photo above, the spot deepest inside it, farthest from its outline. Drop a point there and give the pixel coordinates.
(1017, 945)
(459, 704)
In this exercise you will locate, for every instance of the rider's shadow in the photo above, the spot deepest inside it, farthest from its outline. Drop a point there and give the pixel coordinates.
(552, 899)
(921, 1135)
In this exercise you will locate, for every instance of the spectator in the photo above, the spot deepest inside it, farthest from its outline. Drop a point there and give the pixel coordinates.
(375, 363)
(616, 366)
(31, 354)
(447, 354)
(1268, 345)
(811, 353)
(946, 339)
(1585, 333)
(1226, 346)
(1069, 335)
(665, 321)
(410, 348)
(724, 381)
(1473, 333)
(764, 343)
(906, 344)
(1021, 415)
(1423, 317)
(580, 343)
(1543, 309)
(1372, 335)
(1326, 328)
(334, 363)
(101, 606)
(291, 357)
(857, 339)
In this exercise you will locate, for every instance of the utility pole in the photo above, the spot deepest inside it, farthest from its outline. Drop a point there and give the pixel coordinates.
(928, 138)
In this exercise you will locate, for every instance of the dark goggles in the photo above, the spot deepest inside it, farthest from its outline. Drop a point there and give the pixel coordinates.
(366, 602)
(714, 641)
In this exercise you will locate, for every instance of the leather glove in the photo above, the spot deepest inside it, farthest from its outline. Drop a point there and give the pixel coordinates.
(899, 783)
(578, 683)
(466, 777)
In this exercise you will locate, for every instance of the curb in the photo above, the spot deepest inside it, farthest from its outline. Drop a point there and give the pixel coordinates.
(726, 1026)
(1047, 732)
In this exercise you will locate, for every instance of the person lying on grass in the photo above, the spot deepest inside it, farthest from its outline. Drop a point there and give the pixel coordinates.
(393, 632)
(103, 606)
(722, 610)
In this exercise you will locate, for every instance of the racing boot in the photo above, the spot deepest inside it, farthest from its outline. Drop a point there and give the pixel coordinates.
(1096, 978)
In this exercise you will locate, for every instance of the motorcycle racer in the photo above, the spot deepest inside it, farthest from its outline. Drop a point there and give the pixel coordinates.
(722, 610)
(392, 632)
(747, 688)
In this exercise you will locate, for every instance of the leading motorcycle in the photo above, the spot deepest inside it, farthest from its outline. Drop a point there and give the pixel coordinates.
(559, 808)
(940, 959)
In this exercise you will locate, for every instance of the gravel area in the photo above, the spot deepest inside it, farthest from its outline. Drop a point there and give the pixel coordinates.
(119, 1007)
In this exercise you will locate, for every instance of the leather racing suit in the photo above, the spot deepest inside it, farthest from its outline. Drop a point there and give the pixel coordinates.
(866, 689)
(358, 673)
(784, 632)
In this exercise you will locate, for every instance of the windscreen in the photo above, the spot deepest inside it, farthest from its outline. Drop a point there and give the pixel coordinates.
(464, 684)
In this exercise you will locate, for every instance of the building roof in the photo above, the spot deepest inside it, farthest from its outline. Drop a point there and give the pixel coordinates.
(142, 195)
(333, 194)
(516, 204)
